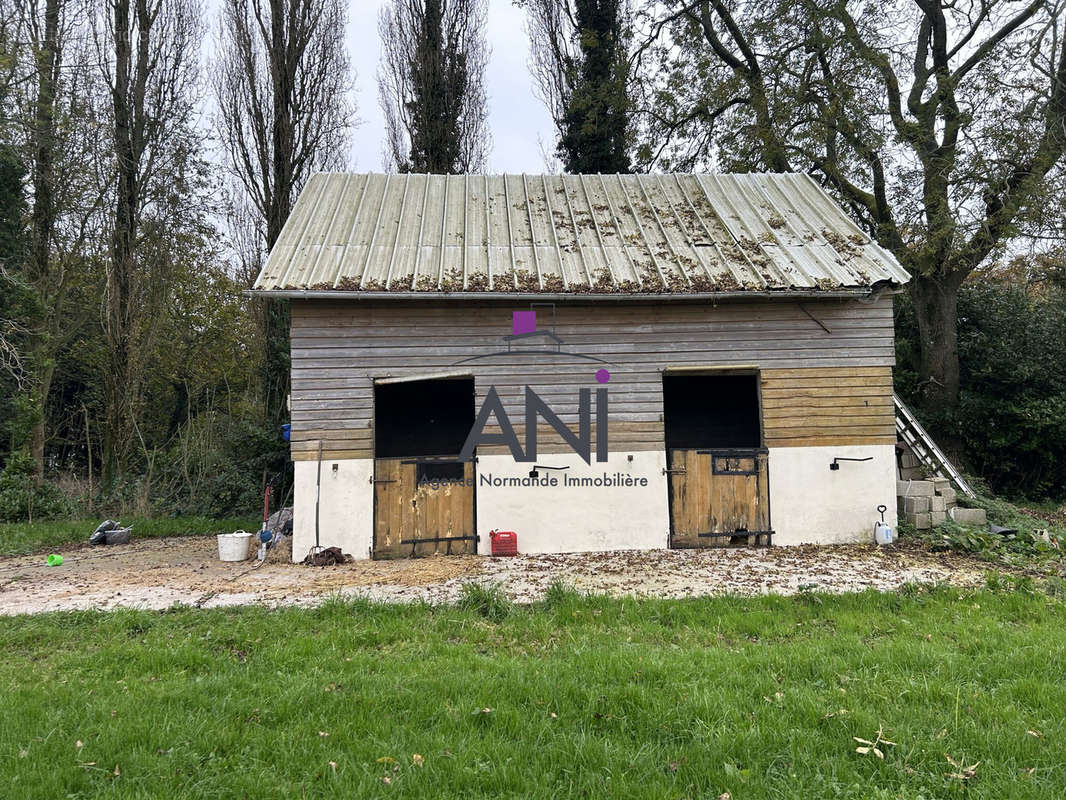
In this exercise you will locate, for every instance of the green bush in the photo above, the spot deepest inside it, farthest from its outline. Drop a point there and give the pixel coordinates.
(22, 498)
(1011, 418)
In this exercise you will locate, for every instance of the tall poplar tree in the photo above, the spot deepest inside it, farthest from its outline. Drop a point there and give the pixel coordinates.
(431, 85)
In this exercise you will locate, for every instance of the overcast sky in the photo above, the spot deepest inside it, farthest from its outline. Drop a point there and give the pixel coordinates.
(518, 121)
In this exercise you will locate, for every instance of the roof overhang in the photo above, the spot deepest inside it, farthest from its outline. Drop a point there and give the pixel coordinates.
(642, 297)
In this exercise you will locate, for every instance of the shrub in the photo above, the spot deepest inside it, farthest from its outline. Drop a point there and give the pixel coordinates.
(1010, 421)
(23, 499)
(219, 462)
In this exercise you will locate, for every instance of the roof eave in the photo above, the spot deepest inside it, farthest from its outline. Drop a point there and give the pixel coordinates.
(779, 294)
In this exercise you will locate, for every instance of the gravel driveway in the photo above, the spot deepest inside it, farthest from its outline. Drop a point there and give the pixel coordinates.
(157, 573)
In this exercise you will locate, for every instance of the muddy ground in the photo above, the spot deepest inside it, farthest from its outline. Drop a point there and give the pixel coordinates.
(158, 573)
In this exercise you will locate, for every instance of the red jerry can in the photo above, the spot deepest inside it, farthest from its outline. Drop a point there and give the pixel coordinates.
(504, 543)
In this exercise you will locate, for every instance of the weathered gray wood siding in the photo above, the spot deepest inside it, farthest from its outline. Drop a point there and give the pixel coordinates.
(818, 387)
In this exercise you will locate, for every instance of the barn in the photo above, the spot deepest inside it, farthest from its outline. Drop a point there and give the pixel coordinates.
(594, 362)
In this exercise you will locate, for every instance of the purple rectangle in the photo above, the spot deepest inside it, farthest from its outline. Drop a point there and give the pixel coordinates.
(523, 322)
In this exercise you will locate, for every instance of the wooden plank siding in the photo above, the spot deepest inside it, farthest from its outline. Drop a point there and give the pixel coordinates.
(814, 406)
(817, 387)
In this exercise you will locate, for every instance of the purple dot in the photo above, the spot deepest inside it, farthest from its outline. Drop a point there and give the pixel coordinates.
(602, 376)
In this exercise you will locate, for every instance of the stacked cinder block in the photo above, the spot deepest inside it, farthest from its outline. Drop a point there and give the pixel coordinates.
(926, 504)
(910, 468)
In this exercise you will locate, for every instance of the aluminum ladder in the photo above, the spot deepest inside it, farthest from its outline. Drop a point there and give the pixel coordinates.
(923, 446)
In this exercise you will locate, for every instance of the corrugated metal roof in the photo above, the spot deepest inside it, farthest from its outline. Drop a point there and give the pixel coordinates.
(556, 234)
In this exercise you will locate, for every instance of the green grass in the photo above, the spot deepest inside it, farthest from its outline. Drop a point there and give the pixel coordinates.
(575, 697)
(20, 538)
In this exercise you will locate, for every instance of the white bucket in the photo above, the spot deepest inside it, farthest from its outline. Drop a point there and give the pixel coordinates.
(233, 546)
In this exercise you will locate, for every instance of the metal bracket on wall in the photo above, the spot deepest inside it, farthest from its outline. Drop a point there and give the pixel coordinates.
(835, 465)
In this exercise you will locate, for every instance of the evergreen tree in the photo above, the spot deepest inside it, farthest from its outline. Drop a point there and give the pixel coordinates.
(580, 62)
(431, 85)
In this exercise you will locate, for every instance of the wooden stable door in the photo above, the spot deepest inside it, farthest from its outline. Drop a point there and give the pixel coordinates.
(718, 498)
(434, 517)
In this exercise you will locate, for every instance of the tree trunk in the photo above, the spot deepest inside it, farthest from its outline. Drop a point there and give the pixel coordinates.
(42, 225)
(936, 300)
(42, 386)
(276, 316)
(123, 261)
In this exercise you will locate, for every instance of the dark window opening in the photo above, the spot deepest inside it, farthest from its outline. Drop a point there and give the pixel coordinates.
(414, 419)
(711, 411)
(440, 471)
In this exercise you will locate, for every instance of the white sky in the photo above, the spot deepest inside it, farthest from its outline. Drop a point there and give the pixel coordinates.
(518, 121)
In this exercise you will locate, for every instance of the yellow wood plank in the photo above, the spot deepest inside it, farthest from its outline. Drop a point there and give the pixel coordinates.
(799, 372)
(829, 440)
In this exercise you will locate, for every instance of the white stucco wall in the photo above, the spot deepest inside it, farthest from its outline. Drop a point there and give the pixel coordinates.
(346, 509)
(809, 503)
(562, 519)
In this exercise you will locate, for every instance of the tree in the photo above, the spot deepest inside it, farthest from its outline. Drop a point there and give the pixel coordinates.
(49, 104)
(282, 81)
(13, 238)
(13, 296)
(431, 85)
(940, 126)
(150, 57)
(580, 63)
(1010, 425)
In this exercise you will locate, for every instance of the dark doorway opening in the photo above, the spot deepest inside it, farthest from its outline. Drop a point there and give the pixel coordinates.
(711, 411)
(717, 467)
(424, 498)
(422, 418)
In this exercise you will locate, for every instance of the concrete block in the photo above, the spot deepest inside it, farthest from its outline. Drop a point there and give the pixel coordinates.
(923, 522)
(940, 483)
(916, 505)
(969, 516)
(937, 517)
(915, 488)
(937, 504)
(949, 495)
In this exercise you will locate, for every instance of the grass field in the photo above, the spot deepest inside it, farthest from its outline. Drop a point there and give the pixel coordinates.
(575, 697)
(20, 538)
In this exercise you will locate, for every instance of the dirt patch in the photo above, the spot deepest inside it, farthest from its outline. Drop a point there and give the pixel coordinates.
(157, 573)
